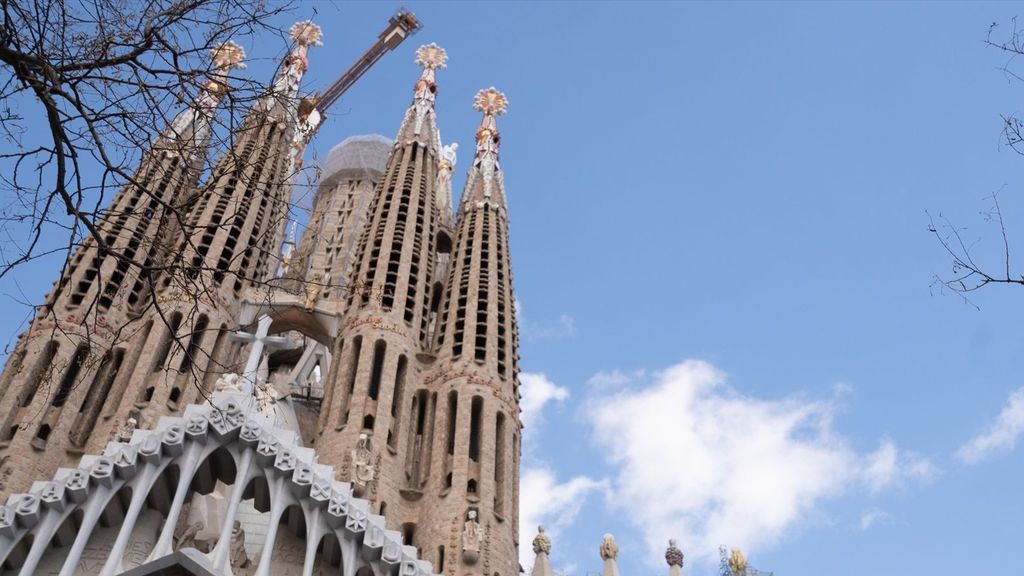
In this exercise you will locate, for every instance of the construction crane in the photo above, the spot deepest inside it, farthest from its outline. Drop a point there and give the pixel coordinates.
(400, 26)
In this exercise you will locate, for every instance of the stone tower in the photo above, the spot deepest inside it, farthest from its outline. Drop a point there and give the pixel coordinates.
(228, 243)
(475, 377)
(387, 309)
(349, 177)
(420, 410)
(127, 359)
(59, 376)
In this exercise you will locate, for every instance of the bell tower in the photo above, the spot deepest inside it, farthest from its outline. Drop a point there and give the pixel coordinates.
(58, 378)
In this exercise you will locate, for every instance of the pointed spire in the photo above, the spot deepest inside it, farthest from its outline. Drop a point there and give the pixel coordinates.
(432, 58)
(541, 547)
(609, 552)
(674, 558)
(224, 57)
(303, 34)
(445, 168)
(486, 169)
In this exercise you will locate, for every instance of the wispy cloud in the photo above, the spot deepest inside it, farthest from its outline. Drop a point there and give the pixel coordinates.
(872, 517)
(697, 460)
(562, 328)
(538, 391)
(615, 379)
(543, 499)
(1000, 436)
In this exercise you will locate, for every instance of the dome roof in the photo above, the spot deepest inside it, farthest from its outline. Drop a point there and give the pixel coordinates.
(366, 153)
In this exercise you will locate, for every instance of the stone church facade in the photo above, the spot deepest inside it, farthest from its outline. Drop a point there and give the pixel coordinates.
(347, 405)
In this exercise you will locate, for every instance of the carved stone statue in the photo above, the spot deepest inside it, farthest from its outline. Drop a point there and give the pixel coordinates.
(313, 290)
(737, 563)
(609, 549)
(541, 542)
(472, 538)
(228, 383)
(265, 398)
(674, 557)
(187, 539)
(124, 432)
(448, 156)
(239, 559)
(363, 469)
(609, 552)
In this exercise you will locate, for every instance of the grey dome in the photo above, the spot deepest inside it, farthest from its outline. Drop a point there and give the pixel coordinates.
(363, 156)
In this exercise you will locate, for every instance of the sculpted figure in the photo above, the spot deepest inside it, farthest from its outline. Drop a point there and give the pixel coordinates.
(188, 537)
(313, 290)
(609, 549)
(364, 471)
(239, 559)
(228, 383)
(737, 563)
(124, 432)
(472, 538)
(265, 398)
(674, 556)
(541, 542)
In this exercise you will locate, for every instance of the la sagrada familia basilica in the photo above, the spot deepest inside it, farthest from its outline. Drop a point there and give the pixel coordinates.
(347, 403)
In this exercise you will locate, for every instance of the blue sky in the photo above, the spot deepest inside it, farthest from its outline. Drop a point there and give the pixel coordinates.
(719, 237)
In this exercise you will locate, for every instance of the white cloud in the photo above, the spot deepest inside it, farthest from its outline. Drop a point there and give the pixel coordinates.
(543, 500)
(873, 516)
(700, 462)
(564, 328)
(537, 392)
(615, 379)
(888, 467)
(1000, 436)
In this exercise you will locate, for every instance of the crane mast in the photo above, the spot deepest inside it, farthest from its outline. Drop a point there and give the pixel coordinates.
(400, 26)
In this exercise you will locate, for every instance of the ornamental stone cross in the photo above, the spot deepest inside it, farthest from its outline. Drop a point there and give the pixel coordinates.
(259, 341)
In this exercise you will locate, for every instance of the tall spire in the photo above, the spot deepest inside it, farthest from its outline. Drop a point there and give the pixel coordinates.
(303, 34)
(421, 113)
(192, 126)
(485, 179)
(674, 559)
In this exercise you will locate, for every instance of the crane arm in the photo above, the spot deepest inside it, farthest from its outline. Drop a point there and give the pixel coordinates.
(400, 26)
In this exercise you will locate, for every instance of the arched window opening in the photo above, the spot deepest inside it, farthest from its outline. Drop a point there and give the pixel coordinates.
(71, 375)
(368, 422)
(96, 396)
(357, 344)
(440, 559)
(36, 377)
(453, 405)
(164, 346)
(378, 368)
(194, 340)
(396, 402)
(408, 533)
(474, 428)
(471, 486)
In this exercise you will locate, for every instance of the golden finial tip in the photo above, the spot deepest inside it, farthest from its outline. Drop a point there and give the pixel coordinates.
(431, 56)
(490, 101)
(228, 55)
(306, 33)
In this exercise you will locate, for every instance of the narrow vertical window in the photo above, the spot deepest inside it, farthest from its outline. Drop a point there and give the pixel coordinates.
(357, 345)
(396, 402)
(165, 343)
(474, 428)
(71, 375)
(378, 368)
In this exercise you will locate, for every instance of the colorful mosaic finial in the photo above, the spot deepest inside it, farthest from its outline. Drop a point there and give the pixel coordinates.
(431, 57)
(491, 102)
(227, 56)
(306, 33)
